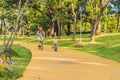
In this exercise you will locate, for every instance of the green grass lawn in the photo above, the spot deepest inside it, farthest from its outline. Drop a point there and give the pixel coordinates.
(20, 58)
(20, 61)
(107, 46)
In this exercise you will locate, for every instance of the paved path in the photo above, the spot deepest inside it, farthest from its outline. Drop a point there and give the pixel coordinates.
(68, 65)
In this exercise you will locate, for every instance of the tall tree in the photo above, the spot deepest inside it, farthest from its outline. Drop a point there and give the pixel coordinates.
(74, 18)
(8, 44)
(95, 22)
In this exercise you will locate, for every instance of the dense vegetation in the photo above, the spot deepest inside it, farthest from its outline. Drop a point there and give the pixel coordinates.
(20, 59)
(60, 16)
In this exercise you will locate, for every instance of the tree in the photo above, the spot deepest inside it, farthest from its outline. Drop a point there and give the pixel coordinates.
(75, 19)
(116, 4)
(8, 44)
(94, 22)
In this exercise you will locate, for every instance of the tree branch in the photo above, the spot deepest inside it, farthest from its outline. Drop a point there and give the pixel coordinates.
(107, 3)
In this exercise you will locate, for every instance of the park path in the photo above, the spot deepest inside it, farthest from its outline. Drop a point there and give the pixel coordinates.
(68, 64)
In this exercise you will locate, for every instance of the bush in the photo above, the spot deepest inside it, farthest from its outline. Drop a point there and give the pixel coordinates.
(5, 68)
(13, 63)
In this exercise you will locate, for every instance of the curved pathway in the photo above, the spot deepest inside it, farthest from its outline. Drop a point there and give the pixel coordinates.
(68, 65)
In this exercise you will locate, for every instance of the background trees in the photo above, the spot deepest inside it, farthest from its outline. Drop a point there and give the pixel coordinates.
(62, 16)
(13, 10)
(116, 10)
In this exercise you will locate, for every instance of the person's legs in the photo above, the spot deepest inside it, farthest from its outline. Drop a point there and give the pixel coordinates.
(55, 47)
(41, 43)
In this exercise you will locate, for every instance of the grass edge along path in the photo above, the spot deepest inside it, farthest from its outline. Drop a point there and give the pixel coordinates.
(20, 59)
(106, 45)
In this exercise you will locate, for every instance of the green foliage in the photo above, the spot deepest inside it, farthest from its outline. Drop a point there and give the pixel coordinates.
(20, 59)
(93, 9)
(3, 67)
(112, 24)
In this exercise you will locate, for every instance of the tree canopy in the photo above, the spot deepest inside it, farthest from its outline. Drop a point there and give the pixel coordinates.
(64, 16)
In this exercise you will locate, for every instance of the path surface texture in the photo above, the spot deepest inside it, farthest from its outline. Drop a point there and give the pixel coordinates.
(68, 64)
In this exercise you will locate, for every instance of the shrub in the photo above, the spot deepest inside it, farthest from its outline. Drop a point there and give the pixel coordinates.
(5, 66)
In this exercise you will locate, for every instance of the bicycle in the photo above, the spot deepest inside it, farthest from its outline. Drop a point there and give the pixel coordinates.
(40, 45)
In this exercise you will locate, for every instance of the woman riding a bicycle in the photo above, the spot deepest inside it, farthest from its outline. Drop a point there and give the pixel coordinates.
(40, 37)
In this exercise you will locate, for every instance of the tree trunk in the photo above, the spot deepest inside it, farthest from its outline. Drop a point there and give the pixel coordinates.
(98, 28)
(85, 26)
(75, 22)
(102, 8)
(28, 30)
(22, 31)
(68, 28)
(8, 43)
(52, 29)
(17, 21)
(68, 24)
(51, 22)
(58, 25)
(5, 47)
(60, 31)
(92, 29)
(19, 31)
(1, 27)
(75, 26)
(118, 21)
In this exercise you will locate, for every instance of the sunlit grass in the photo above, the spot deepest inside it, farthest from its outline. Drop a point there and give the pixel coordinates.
(20, 58)
(107, 45)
